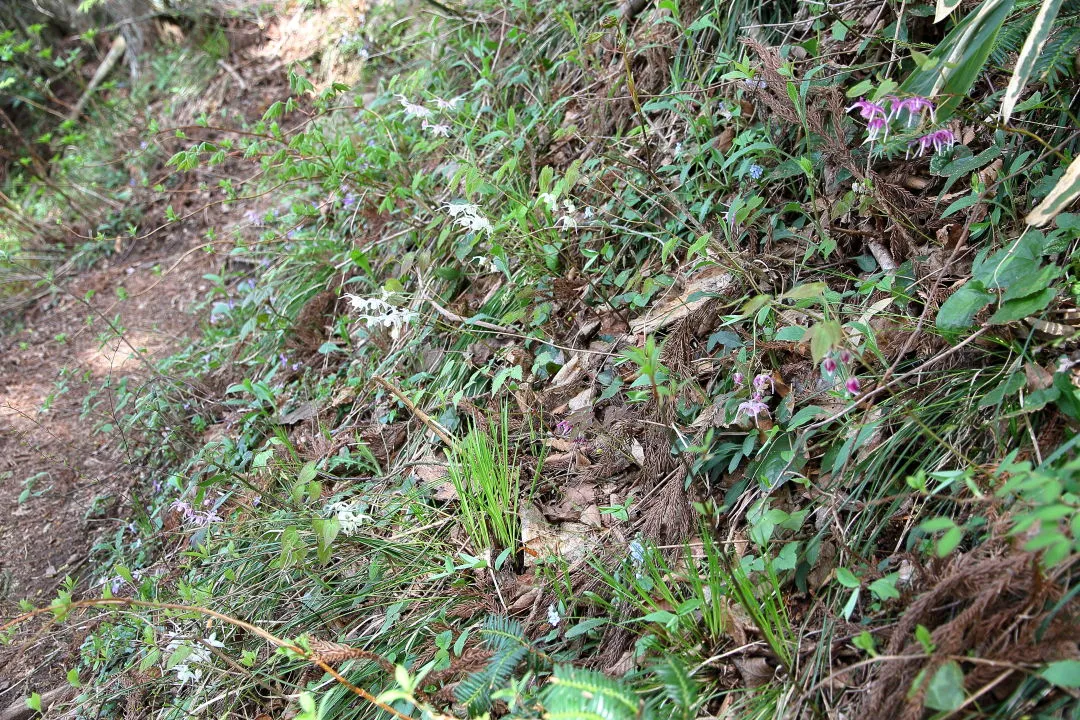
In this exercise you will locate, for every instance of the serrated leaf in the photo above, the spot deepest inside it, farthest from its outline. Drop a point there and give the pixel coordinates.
(1025, 61)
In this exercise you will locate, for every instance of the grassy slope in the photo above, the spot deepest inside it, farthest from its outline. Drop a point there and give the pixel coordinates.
(777, 566)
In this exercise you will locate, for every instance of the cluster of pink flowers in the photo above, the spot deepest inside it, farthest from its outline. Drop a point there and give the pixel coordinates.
(879, 115)
(837, 361)
(194, 517)
(763, 385)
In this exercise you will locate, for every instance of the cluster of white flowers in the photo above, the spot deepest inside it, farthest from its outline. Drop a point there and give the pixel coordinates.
(377, 313)
(436, 129)
(448, 105)
(199, 654)
(413, 110)
(467, 215)
(485, 263)
(567, 220)
(350, 516)
(553, 615)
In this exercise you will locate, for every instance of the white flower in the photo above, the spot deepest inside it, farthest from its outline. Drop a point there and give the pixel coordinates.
(377, 313)
(637, 553)
(486, 263)
(437, 129)
(553, 615)
(185, 673)
(414, 110)
(475, 223)
(588, 214)
(548, 199)
(468, 216)
(349, 516)
(455, 209)
(566, 222)
(451, 104)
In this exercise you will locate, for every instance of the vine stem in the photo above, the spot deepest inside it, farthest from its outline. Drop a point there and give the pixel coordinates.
(253, 629)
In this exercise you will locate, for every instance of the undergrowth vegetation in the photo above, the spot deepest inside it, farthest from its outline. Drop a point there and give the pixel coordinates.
(671, 359)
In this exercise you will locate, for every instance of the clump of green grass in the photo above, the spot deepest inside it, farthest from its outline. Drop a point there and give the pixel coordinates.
(488, 486)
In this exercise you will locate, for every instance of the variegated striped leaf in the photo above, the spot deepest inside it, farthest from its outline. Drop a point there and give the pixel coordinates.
(1025, 62)
(945, 8)
(1064, 193)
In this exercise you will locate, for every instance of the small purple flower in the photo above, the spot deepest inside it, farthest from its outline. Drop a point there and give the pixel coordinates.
(283, 360)
(753, 84)
(182, 507)
(563, 428)
(853, 385)
(846, 357)
(738, 378)
(349, 199)
(763, 381)
(877, 128)
(914, 106)
(116, 585)
(756, 171)
(868, 110)
(829, 366)
(752, 409)
(938, 140)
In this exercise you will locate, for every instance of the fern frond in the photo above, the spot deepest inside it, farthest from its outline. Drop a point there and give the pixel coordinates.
(1058, 58)
(501, 632)
(679, 687)
(575, 693)
(475, 691)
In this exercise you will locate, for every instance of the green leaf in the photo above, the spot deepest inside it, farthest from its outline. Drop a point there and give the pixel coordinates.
(804, 416)
(847, 578)
(1063, 673)
(791, 333)
(804, 292)
(946, 689)
(34, 702)
(1021, 308)
(885, 587)
(1065, 191)
(585, 626)
(1025, 61)
(944, 9)
(957, 61)
(960, 309)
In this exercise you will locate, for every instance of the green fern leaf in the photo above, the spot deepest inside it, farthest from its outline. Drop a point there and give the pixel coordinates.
(475, 691)
(573, 693)
(501, 632)
(681, 689)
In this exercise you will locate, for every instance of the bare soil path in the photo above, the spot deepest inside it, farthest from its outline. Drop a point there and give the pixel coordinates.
(64, 484)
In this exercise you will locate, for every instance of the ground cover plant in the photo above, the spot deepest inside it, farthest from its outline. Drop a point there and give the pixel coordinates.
(573, 359)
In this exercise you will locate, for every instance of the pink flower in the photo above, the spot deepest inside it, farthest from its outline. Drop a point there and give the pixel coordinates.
(938, 140)
(763, 381)
(868, 110)
(752, 408)
(737, 378)
(829, 366)
(877, 128)
(914, 106)
(853, 385)
(563, 428)
(845, 356)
